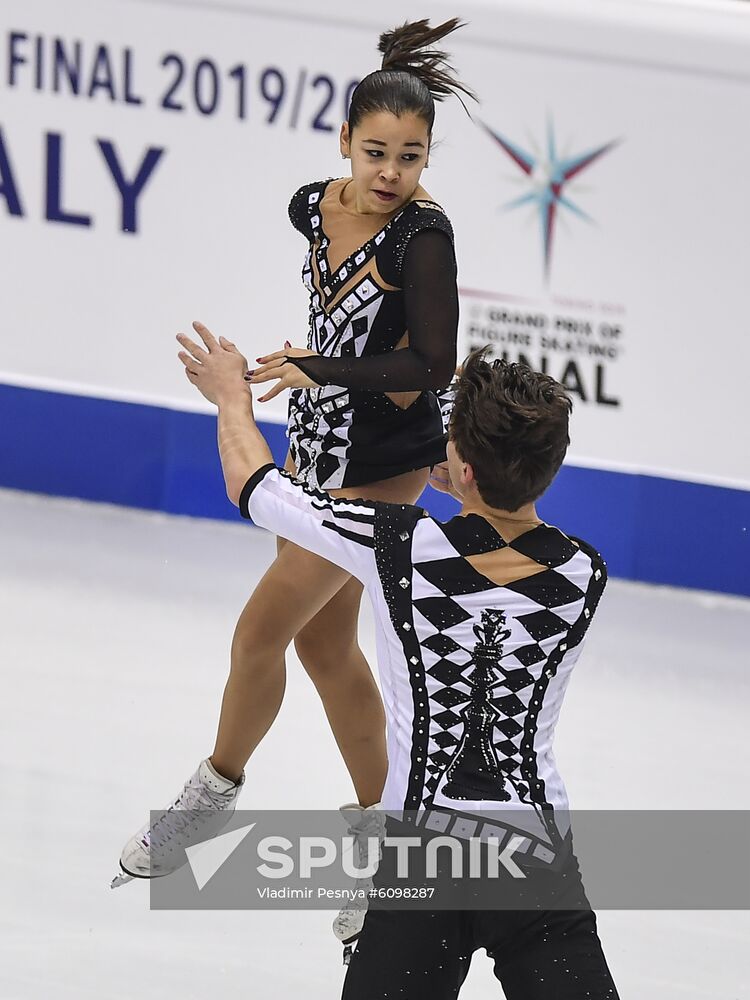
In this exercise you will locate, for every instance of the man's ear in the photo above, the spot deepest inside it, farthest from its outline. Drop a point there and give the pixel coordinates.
(467, 474)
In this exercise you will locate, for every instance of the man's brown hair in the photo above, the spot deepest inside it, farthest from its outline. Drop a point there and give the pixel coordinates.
(510, 424)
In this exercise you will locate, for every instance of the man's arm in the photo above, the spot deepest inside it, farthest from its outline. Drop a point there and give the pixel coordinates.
(341, 531)
(242, 448)
(218, 373)
(338, 530)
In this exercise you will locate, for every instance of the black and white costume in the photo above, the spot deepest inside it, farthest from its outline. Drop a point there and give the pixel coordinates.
(427, 601)
(383, 318)
(437, 620)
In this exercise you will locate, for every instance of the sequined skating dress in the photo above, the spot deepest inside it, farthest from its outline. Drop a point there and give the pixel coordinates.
(383, 318)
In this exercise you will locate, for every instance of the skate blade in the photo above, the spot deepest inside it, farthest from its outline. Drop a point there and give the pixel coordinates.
(121, 878)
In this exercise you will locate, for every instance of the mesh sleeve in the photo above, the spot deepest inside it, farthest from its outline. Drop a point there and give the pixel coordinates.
(431, 309)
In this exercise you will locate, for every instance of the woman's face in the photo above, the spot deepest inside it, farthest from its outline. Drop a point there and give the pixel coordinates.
(388, 154)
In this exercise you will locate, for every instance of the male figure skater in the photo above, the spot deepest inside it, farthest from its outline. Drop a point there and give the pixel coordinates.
(479, 621)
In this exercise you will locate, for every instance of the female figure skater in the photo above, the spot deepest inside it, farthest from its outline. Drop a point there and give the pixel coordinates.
(364, 422)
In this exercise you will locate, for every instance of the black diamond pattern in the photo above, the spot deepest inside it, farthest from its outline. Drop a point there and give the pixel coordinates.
(441, 612)
(441, 644)
(449, 697)
(472, 535)
(507, 748)
(446, 719)
(529, 655)
(550, 589)
(545, 545)
(509, 706)
(514, 680)
(447, 672)
(543, 624)
(508, 727)
(454, 576)
(509, 765)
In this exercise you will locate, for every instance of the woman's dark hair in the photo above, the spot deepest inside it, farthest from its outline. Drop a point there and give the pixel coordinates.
(510, 424)
(413, 75)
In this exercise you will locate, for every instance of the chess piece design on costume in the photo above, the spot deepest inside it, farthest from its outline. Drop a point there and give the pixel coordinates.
(474, 772)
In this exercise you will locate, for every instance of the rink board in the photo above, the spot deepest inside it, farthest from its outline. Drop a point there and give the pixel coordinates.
(163, 459)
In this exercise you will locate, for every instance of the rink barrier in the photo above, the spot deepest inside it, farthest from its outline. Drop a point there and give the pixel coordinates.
(648, 528)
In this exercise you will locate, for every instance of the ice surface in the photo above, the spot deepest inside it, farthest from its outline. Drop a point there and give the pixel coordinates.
(115, 629)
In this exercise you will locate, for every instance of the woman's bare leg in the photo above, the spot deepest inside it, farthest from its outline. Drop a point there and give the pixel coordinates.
(330, 653)
(295, 587)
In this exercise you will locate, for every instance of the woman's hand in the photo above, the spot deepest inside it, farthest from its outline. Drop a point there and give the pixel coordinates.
(275, 366)
(440, 480)
(217, 371)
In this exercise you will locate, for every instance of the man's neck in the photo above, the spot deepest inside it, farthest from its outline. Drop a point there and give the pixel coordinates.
(525, 517)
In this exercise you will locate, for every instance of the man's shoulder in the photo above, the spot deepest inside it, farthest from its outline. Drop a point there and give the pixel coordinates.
(395, 513)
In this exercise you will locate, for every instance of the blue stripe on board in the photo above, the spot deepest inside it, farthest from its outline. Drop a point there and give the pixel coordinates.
(648, 528)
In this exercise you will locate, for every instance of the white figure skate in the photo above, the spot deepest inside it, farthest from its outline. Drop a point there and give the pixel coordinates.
(181, 824)
(367, 827)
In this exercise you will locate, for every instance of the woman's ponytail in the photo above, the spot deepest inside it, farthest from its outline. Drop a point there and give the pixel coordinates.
(413, 76)
(410, 50)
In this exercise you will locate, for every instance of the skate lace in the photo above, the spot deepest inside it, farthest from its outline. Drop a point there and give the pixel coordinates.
(194, 804)
(365, 829)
